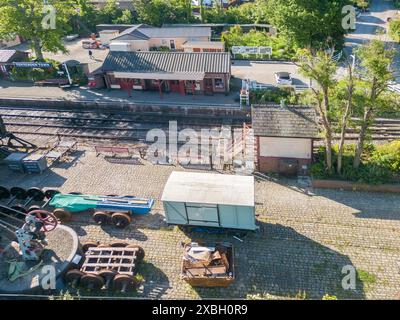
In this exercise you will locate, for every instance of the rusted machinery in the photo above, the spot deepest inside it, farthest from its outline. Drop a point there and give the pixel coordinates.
(9, 140)
(112, 267)
(206, 266)
(29, 228)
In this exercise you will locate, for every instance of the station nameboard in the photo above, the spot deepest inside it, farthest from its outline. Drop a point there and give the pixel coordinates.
(31, 64)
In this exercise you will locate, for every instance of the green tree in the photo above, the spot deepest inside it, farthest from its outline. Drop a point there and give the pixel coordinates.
(110, 12)
(28, 18)
(125, 18)
(320, 67)
(375, 62)
(307, 23)
(158, 12)
(394, 29)
(346, 101)
(85, 19)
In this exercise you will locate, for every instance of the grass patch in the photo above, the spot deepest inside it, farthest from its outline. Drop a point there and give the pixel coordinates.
(366, 277)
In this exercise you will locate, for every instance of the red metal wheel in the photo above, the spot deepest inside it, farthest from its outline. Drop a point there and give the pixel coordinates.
(108, 276)
(63, 215)
(124, 283)
(49, 220)
(72, 277)
(102, 218)
(92, 281)
(121, 220)
(119, 244)
(89, 245)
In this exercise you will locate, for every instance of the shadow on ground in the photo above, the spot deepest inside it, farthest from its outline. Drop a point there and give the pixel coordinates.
(155, 283)
(279, 261)
(371, 205)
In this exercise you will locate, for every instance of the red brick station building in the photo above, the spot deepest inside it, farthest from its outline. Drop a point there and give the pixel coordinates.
(180, 72)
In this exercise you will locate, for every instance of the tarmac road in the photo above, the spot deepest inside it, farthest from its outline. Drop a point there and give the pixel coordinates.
(370, 24)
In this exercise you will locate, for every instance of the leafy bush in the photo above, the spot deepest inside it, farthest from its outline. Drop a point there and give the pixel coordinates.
(329, 297)
(236, 37)
(381, 164)
(274, 95)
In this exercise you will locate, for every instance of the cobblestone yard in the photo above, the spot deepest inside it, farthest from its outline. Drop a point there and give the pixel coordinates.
(304, 241)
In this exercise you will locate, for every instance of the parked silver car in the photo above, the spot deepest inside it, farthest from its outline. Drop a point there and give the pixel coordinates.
(283, 78)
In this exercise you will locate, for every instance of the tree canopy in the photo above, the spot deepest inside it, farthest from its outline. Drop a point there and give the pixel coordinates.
(307, 23)
(33, 20)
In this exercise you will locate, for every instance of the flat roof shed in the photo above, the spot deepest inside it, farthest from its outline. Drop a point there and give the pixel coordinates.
(205, 199)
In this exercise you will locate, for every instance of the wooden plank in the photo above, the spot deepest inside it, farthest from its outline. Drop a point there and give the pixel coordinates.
(109, 265)
(112, 249)
(112, 257)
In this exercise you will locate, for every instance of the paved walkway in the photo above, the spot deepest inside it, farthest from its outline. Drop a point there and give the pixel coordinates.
(304, 240)
(28, 91)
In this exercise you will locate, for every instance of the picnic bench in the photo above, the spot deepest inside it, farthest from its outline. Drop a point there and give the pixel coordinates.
(117, 154)
(52, 82)
(113, 151)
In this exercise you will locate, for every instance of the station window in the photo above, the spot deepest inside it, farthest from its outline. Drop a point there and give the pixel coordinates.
(219, 83)
(137, 82)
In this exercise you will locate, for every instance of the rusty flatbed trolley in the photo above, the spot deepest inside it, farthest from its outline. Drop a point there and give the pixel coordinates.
(206, 266)
(107, 266)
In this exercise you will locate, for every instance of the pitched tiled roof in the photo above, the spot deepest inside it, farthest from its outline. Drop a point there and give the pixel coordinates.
(133, 33)
(6, 55)
(277, 121)
(153, 61)
(144, 32)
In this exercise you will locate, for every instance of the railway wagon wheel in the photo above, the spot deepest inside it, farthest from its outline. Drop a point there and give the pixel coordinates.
(124, 283)
(92, 281)
(140, 251)
(4, 193)
(19, 193)
(104, 245)
(108, 276)
(73, 277)
(36, 194)
(121, 220)
(33, 208)
(119, 244)
(102, 218)
(49, 194)
(63, 215)
(88, 245)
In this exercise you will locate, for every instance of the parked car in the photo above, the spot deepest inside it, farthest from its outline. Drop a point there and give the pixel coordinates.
(90, 44)
(72, 37)
(283, 78)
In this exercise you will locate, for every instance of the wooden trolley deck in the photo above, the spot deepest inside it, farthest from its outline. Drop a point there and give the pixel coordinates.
(120, 260)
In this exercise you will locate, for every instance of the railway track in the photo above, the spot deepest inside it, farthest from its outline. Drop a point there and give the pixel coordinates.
(91, 125)
(134, 127)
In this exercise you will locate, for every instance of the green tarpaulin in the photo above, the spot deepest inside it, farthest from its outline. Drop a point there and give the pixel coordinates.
(75, 203)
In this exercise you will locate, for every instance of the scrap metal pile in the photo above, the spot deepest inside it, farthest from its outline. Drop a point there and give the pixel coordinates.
(208, 266)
